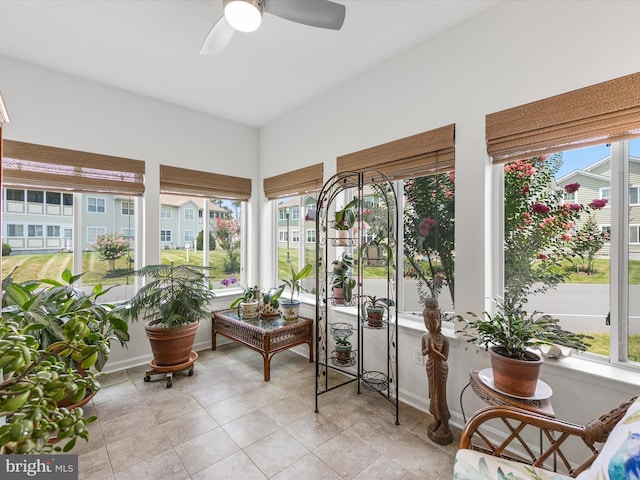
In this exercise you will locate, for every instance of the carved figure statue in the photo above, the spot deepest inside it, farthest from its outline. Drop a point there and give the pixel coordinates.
(435, 347)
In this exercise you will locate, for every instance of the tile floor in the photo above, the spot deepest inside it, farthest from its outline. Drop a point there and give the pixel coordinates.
(226, 423)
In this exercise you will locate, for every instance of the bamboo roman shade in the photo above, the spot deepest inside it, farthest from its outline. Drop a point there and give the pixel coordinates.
(204, 184)
(297, 182)
(28, 165)
(601, 113)
(426, 153)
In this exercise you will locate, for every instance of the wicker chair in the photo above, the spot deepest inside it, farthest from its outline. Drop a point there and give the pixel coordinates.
(545, 443)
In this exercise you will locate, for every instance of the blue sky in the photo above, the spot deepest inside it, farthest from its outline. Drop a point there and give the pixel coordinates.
(577, 159)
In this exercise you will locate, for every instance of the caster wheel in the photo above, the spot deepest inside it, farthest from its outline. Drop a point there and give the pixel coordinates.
(190, 372)
(169, 384)
(147, 378)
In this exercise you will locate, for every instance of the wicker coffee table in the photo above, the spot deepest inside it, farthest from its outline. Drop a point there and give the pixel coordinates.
(266, 336)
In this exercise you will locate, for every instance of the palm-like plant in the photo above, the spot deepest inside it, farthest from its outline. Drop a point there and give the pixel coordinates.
(176, 295)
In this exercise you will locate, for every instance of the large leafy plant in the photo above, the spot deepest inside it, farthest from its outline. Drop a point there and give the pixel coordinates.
(295, 281)
(174, 296)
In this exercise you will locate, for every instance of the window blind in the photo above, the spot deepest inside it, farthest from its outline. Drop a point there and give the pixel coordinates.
(182, 181)
(297, 182)
(28, 165)
(600, 113)
(426, 153)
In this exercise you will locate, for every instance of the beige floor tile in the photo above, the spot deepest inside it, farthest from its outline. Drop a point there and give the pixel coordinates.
(275, 452)
(313, 430)
(205, 450)
(288, 409)
(94, 465)
(137, 447)
(236, 466)
(385, 469)
(186, 427)
(230, 409)
(165, 465)
(130, 421)
(347, 456)
(308, 467)
(420, 457)
(173, 405)
(250, 428)
(214, 393)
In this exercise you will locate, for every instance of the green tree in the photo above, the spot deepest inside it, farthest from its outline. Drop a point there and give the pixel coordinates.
(200, 241)
(587, 242)
(228, 234)
(429, 227)
(537, 227)
(111, 247)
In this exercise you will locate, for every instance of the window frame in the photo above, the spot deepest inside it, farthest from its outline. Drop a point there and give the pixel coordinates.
(163, 233)
(163, 210)
(98, 200)
(127, 208)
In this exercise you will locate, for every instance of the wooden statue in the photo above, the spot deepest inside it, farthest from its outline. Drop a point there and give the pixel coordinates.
(435, 347)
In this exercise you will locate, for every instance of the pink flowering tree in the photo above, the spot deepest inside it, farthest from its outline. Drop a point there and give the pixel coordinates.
(227, 232)
(111, 247)
(587, 242)
(538, 227)
(429, 220)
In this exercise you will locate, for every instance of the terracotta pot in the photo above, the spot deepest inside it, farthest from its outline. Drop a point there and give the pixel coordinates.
(171, 346)
(512, 376)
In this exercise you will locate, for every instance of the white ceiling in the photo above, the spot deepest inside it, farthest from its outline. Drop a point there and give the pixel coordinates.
(150, 47)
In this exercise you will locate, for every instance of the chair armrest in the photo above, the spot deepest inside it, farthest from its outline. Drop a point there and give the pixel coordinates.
(557, 437)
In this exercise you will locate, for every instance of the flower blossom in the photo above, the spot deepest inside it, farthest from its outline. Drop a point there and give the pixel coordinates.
(572, 187)
(540, 208)
(575, 207)
(225, 282)
(598, 203)
(425, 225)
(542, 256)
(566, 237)
(525, 189)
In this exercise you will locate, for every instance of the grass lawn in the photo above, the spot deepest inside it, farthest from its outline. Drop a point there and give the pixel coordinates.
(600, 345)
(601, 272)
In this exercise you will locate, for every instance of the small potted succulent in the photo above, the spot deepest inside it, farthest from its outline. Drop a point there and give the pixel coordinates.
(342, 349)
(291, 305)
(344, 219)
(342, 279)
(375, 309)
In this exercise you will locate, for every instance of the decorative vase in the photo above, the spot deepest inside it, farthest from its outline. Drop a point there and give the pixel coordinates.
(269, 311)
(513, 376)
(343, 238)
(290, 309)
(171, 346)
(249, 309)
(338, 296)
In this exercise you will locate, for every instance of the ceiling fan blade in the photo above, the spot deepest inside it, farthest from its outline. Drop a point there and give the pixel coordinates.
(317, 13)
(218, 38)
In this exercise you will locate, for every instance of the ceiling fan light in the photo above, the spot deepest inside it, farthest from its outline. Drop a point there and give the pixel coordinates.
(243, 15)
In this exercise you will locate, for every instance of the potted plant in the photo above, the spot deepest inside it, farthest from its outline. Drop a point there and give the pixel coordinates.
(376, 253)
(510, 335)
(342, 279)
(248, 303)
(344, 219)
(375, 309)
(172, 303)
(291, 306)
(49, 308)
(270, 303)
(343, 350)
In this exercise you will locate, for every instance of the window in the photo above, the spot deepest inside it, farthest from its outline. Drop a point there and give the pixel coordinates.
(127, 207)
(14, 230)
(188, 236)
(283, 235)
(94, 232)
(165, 212)
(54, 198)
(606, 230)
(634, 234)
(16, 195)
(570, 198)
(35, 231)
(634, 195)
(78, 184)
(295, 236)
(220, 240)
(165, 235)
(189, 214)
(605, 193)
(96, 205)
(128, 233)
(295, 213)
(311, 235)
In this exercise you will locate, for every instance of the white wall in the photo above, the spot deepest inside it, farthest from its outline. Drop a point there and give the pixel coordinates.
(513, 53)
(49, 108)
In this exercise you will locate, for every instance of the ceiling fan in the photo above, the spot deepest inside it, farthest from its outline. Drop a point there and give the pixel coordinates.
(246, 15)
